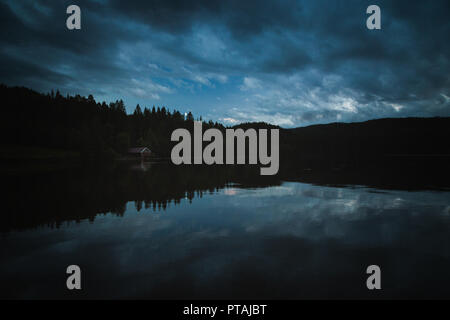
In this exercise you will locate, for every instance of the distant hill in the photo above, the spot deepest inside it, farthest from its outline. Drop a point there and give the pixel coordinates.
(381, 140)
(255, 125)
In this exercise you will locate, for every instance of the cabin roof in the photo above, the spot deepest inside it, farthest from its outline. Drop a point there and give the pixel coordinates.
(139, 150)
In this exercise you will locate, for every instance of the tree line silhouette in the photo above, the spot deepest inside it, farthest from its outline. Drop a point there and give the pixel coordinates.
(102, 131)
(94, 129)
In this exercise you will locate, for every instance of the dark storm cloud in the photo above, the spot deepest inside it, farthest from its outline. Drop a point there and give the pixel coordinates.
(292, 62)
(17, 70)
(36, 52)
(241, 18)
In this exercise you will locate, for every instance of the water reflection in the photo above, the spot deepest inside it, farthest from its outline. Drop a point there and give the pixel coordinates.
(52, 197)
(213, 234)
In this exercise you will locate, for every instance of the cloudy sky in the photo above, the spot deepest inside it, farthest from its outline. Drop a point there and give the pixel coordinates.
(290, 63)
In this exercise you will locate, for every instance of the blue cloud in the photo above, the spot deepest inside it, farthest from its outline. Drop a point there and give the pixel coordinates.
(290, 63)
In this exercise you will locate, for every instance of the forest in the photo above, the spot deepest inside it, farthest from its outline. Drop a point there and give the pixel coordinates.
(94, 130)
(97, 130)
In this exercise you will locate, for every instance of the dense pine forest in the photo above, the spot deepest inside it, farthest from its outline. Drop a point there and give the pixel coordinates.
(92, 129)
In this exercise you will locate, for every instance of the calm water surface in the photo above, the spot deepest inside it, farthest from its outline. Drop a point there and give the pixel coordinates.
(236, 240)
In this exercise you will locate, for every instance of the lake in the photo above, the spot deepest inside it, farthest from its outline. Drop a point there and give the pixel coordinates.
(149, 230)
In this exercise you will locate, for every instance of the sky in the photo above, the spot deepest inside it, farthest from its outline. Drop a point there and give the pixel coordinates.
(289, 63)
